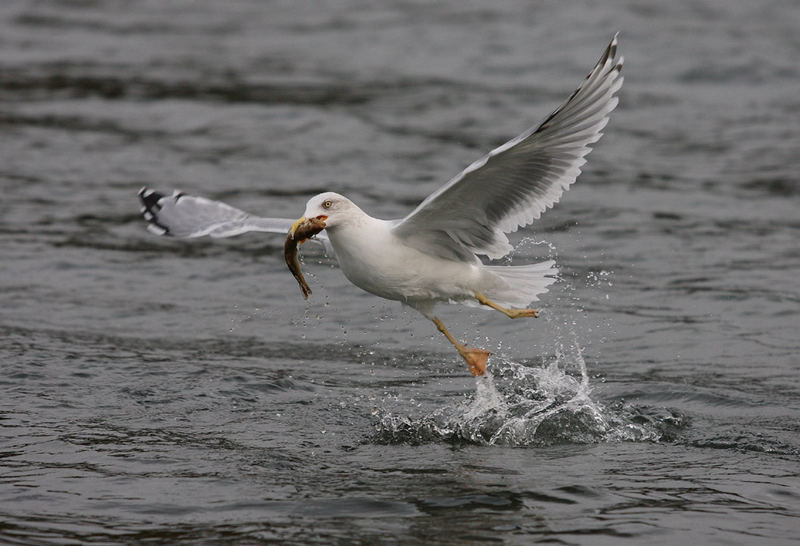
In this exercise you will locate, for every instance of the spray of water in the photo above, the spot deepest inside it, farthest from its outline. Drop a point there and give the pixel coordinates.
(518, 405)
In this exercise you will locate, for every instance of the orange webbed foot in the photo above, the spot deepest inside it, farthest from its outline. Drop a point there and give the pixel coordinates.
(476, 360)
(520, 313)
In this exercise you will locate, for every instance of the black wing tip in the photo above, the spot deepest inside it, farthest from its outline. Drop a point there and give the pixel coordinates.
(150, 200)
(611, 53)
(621, 58)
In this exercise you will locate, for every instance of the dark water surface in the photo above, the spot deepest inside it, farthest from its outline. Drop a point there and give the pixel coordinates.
(160, 390)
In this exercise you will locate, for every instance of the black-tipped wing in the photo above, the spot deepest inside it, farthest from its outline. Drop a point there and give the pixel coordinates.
(512, 185)
(186, 216)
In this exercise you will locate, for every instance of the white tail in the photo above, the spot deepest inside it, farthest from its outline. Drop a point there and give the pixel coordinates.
(519, 285)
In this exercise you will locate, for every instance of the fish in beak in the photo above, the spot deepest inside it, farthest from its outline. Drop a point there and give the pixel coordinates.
(301, 231)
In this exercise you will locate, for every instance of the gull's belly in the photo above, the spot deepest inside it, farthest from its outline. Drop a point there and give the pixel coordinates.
(384, 266)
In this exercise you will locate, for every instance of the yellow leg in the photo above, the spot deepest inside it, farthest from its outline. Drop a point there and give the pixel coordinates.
(476, 358)
(510, 313)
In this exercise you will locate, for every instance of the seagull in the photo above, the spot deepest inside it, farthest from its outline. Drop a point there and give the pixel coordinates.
(433, 255)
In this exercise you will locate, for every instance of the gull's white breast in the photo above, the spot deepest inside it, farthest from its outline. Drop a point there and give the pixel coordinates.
(373, 258)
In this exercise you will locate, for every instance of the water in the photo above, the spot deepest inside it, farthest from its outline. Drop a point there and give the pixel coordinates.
(165, 391)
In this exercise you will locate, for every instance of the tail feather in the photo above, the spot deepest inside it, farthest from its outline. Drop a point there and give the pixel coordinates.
(519, 285)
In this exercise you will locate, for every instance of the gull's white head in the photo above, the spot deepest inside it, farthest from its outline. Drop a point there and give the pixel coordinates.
(331, 207)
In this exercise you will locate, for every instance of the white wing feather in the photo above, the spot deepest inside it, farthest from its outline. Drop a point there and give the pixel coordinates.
(187, 216)
(515, 183)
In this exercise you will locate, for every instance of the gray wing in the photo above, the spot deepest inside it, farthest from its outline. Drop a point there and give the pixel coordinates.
(512, 185)
(187, 216)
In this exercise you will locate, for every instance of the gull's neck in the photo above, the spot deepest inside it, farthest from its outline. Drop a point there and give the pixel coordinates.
(355, 220)
(358, 233)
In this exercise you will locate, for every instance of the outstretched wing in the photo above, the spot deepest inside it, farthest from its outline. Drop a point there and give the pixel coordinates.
(186, 216)
(512, 185)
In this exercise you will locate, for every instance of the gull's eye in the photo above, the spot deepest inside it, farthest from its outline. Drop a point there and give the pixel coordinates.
(327, 204)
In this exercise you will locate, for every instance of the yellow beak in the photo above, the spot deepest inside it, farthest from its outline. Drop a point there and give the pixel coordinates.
(296, 225)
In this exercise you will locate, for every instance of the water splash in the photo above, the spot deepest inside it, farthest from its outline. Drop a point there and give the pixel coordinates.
(519, 405)
(527, 248)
